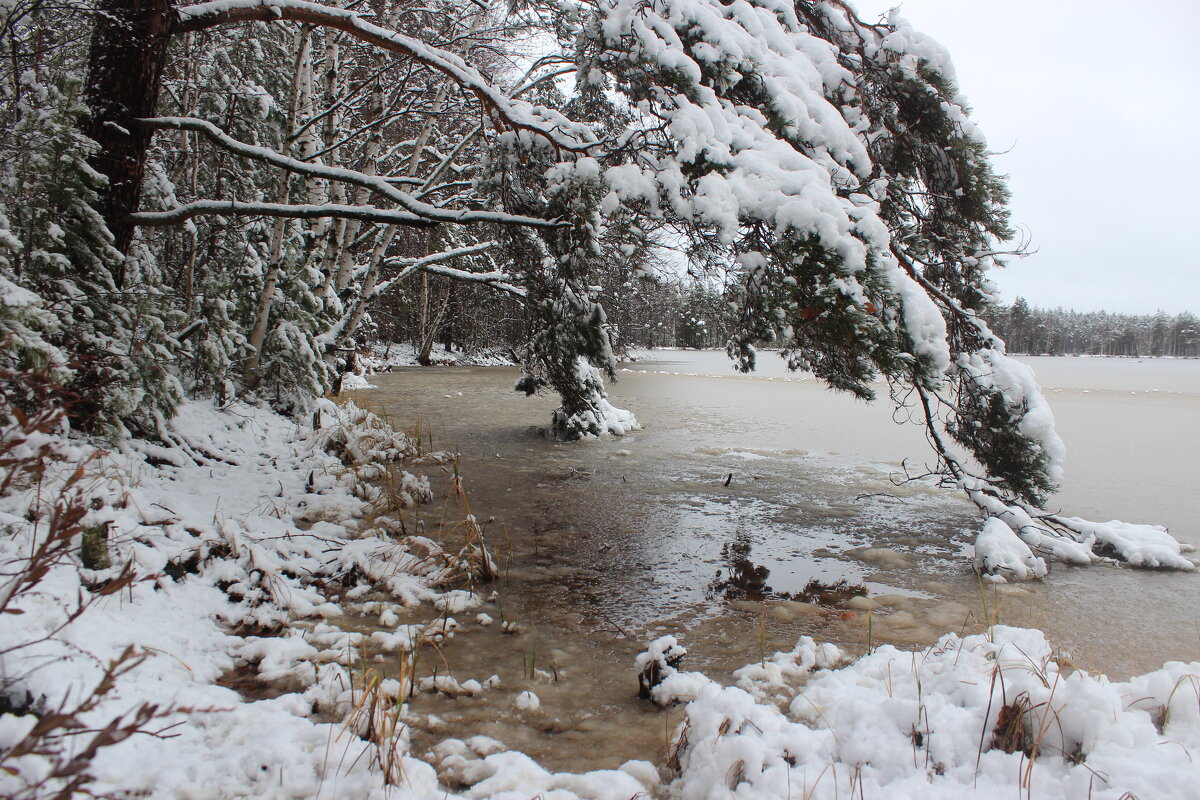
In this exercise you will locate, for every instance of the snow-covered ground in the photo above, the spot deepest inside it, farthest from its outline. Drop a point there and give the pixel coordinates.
(252, 535)
(386, 357)
(403, 354)
(986, 716)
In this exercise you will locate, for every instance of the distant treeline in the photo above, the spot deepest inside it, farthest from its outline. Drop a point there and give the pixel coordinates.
(696, 314)
(641, 313)
(1040, 331)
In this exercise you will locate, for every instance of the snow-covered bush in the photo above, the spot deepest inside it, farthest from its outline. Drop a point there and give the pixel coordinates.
(58, 250)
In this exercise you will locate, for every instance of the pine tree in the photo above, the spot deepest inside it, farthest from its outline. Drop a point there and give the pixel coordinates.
(112, 339)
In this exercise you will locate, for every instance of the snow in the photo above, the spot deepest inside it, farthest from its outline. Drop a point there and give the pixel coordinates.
(547, 123)
(600, 417)
(923, 725)
(250, 537)
(457, 601)
(258, 512)
(352, 382)
(784, 669)
(384, 357)
(1138, 545)
(528, 701)
(1000, 553)
(1018, 386)
(793, 162)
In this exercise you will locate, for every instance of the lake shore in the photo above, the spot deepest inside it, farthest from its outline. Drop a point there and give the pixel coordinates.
(302, 594)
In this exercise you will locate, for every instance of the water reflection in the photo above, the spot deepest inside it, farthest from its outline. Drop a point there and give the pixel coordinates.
(743, 579)
(630, 531)
(606, 544)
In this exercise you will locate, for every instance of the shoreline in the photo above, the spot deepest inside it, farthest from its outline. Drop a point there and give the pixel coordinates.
(255, 535)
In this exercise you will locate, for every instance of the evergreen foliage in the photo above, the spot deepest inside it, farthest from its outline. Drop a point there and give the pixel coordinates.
(109, 341)
(1055, 332)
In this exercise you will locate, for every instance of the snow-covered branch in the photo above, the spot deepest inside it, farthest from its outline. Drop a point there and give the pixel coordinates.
(373, 183)
(182, 213)
(1018, 537)
(410, 265)
(504, 111)
(496, 279)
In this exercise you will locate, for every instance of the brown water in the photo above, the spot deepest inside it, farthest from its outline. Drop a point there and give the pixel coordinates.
(712, 522)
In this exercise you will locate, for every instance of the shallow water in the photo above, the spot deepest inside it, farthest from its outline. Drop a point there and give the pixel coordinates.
(711, 522)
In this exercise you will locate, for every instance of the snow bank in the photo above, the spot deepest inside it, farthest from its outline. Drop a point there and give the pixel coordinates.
(352, 382)
(244, 535)
(989, 716)
(384, 357)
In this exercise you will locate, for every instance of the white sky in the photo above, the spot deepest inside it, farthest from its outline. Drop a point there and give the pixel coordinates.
(1098, 104)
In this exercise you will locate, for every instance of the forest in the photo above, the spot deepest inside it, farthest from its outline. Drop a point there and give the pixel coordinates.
(674, 312)
(209, 213)
(1054, 332)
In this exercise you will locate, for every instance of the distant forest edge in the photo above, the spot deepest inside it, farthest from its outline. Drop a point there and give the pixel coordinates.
(1028, 330)
(652, 312)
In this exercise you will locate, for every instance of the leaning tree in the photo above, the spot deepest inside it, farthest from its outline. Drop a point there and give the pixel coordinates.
(828, 163)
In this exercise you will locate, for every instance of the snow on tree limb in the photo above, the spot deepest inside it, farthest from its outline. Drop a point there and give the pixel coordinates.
(829, 167)
(832, 165)
(504, 110)
(410, 265)
(186, 211)
(379, 185)
(497, 280)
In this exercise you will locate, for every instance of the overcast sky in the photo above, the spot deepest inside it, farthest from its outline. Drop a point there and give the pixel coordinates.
(1097, 103)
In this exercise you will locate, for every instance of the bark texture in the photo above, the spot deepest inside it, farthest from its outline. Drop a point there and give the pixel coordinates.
(125, 64)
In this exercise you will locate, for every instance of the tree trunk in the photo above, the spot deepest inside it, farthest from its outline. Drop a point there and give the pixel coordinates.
(125, 64)
(262, 319)
(431, 326)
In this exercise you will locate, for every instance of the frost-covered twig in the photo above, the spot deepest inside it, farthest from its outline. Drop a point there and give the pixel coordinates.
(503, 109)
(381, 186)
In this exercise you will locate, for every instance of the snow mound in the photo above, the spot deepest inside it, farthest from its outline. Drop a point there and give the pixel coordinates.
(236, 535)
(352, 382)
(1000, 553)
(1139, 545)
(978, 717)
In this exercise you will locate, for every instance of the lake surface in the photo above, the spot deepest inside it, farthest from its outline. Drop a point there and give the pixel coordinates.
(741, 495)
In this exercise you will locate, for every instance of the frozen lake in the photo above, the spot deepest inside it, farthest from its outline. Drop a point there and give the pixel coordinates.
(740, 491)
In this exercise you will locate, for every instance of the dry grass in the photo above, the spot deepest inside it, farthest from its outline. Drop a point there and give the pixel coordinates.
(52, 757)
(375, 717)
